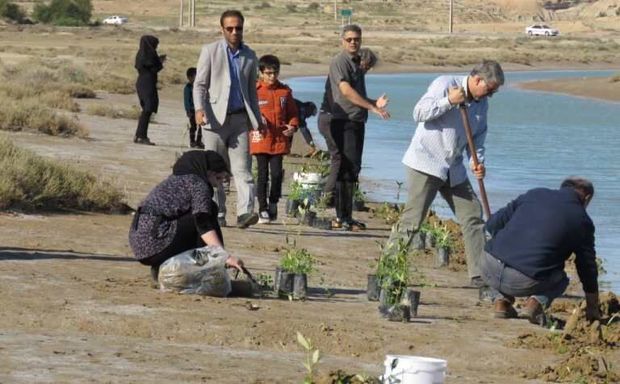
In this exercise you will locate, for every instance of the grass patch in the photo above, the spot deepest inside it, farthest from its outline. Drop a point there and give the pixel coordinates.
(34, 92)
(31, 182)
(114, 112)
(29, 114)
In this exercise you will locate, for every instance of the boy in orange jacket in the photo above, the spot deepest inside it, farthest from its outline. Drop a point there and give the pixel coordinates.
(272, 141)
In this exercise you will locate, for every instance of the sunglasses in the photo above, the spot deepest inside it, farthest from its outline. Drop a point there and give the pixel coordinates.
(352, 39)
(490, 90)
(231, 29)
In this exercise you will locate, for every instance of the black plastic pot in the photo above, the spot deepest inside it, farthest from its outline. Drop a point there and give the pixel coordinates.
(384, 302)
(241, 288)
(372, 288)
(322, 223)
(292, 207)
(443, 257)
(399, 312)
(359, 205)
(429, 241)
(300, 286)
(308, 218)
(418, 241)
(413, 297)
(283, 282)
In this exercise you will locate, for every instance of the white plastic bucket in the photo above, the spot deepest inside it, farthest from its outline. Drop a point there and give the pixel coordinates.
(308, 178)
(406, 369)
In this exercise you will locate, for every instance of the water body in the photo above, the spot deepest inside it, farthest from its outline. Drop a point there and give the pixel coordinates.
(535, 139)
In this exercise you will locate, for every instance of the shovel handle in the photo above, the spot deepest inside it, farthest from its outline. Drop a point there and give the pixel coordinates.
(474, 158)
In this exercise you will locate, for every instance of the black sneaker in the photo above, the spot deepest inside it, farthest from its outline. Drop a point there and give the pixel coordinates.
(143, 140)
(246, 220)
(354, 226)
(199, 144)
(273, 211)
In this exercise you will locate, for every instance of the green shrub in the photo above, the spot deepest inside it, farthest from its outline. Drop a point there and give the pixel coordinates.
(64, 12)
(11, 11)
(31, 182)
(297, 260)
(314, 6)
(29, 114)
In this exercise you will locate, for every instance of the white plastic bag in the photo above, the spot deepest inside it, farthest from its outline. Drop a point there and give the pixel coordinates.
(199, 271)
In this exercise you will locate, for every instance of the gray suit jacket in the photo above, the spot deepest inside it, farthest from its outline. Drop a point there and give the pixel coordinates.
(212, 84)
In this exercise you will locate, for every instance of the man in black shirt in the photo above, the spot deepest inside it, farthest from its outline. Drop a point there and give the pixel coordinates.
(532, 237)
(349, 114)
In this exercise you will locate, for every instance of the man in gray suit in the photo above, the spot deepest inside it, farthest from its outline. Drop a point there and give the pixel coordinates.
(227, 107)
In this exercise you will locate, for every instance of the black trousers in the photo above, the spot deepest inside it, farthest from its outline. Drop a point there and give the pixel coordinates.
(268, 163)
(186, 237)
(349, 138)
(334, 154)
(143, 125)
(195, 132)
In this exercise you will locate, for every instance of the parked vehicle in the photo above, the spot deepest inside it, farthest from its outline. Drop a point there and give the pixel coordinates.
(541, 30)
(115, 20)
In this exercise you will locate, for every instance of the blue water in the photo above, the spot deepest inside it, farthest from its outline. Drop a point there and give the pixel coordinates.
(535, 139)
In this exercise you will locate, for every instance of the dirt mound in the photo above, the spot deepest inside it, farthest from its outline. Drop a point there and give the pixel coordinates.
(583, 344)
(582, 366)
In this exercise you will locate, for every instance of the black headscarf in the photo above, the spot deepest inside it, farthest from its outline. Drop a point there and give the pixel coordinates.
(147, 56)
(198, 163)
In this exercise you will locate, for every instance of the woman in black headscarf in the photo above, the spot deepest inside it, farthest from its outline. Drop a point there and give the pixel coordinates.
(179, 213)
(148, 63)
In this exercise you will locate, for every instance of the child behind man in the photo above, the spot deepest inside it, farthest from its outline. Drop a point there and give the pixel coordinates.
(195, 132)
(272, 141)
(305, 110)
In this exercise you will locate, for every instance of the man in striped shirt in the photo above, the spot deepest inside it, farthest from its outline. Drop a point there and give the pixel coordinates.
(434, 159)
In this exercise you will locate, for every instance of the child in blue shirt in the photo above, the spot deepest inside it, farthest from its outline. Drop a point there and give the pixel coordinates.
(195, 132)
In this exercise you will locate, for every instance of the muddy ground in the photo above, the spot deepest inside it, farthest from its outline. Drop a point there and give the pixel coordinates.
(76, 307)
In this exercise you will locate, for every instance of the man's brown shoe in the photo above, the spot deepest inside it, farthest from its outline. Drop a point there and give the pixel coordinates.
(504, 309)
(534, 312)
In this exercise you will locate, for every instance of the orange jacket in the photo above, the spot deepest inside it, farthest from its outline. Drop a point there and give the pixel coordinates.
(277, 108)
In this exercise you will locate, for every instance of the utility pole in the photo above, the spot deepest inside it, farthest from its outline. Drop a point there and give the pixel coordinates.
(181, 15)
(451, 13)
(193, 13)
(335, 10)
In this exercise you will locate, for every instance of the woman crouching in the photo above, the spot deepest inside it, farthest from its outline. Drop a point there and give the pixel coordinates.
(179, 213)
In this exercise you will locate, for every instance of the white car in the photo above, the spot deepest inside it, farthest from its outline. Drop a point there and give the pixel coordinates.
(541, 30)
(115, 20)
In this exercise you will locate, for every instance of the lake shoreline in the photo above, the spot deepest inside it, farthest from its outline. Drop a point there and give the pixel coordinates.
(573, 86)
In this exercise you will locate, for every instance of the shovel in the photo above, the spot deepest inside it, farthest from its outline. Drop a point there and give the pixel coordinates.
(474, 158)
